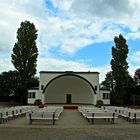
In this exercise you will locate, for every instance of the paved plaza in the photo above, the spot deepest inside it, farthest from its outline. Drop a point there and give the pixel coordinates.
(70, 126)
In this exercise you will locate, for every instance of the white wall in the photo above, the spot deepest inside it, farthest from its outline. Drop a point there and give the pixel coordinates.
(31, 100)
(105, 101)
(93, 78)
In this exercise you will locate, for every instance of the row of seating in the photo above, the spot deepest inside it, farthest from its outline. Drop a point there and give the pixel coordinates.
(10, 113)
(128, 114)
(92, 113)
(51, 113)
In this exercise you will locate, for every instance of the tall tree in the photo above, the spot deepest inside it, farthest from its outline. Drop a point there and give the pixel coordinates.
(24, 57)
(119, 67)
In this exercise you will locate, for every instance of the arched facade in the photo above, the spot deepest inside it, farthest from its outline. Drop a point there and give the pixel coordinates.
(69, 88)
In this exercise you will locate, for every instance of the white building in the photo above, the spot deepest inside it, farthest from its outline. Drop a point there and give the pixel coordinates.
(69, 87)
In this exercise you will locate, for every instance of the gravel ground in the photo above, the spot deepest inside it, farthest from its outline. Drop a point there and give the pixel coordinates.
(71, 126)
(69, 134)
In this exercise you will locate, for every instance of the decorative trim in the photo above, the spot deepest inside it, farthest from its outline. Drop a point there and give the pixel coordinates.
(65, 72)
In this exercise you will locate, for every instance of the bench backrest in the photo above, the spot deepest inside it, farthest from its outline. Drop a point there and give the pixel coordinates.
(101, 114)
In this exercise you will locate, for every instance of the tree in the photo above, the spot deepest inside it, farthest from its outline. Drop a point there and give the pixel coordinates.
(130, 91)
(34, 82)
(24, 57)
(9, 85)
(119, 67)
(137, 77)
(136, 94)
(108, 83)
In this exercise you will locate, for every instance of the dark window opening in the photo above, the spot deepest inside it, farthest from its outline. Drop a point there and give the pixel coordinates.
(106, 96)
(95, 87)
(31, 95)
(42, 87)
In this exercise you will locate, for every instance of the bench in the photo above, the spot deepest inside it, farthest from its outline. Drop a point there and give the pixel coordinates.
(134, 116)
(4, 116)
(43, 116)
(100, 115)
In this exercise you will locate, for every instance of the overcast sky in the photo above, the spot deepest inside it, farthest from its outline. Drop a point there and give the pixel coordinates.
(72, 34)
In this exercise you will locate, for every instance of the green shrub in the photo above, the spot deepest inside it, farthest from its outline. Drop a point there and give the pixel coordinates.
(38, 102)
(99, 103)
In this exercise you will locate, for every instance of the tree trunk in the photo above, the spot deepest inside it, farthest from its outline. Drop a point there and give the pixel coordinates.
(23, 97)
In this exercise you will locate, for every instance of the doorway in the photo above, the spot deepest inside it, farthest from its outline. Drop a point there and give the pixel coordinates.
(68, 98)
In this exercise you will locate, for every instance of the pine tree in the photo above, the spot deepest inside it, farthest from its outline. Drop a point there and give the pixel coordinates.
(24, 57)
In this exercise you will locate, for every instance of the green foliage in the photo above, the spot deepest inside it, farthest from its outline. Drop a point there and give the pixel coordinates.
(99, 103)
(24, 55)
(137, 77)
(34, 82)
(119, 67)
(38, 102)
(25, 51)
(108, 83)
(9, 84)
(115, 99)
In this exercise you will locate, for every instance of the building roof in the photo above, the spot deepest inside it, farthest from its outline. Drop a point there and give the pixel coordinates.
(70, 72)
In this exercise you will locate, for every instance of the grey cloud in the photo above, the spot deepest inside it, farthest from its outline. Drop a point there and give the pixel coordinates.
(103, 8)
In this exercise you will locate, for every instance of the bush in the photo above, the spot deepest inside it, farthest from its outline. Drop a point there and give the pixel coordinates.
(99, 103)
(38, 102)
